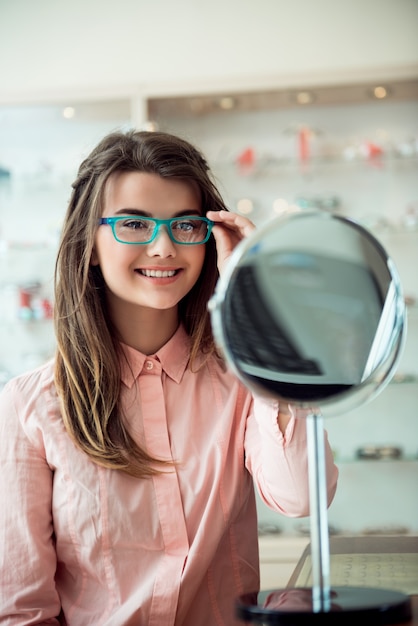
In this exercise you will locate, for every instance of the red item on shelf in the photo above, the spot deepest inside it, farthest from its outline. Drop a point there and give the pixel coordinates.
(247, 157)
(246, 161)
(303, 140)
(25, 298)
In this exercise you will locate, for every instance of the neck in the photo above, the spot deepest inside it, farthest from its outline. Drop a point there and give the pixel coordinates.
(146, 330)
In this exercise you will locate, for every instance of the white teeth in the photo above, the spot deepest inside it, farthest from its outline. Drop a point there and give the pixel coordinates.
(158, 273)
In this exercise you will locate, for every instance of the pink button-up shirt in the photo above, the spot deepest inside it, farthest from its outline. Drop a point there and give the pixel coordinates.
(84, 545)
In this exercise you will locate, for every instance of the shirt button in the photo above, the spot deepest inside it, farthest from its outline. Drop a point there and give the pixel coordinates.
(149, 365)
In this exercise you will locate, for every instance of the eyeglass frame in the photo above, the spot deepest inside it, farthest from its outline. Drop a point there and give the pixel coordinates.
(111, 221)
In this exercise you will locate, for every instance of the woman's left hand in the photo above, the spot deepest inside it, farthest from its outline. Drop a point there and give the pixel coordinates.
(229, 230)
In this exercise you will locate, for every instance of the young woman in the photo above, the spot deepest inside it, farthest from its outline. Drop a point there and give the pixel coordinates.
(127, 464)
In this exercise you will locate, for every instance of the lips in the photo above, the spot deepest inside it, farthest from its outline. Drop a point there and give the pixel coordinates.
(157, 273)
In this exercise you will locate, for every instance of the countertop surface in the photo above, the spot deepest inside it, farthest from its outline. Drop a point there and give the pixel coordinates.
(379, 571)
(378, 562)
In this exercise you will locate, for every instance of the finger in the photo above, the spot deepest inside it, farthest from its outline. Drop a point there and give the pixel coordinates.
(226, 240)
(232, 221)
(229, 217)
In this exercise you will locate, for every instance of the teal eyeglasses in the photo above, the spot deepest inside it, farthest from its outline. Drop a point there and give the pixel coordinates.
(187, 230)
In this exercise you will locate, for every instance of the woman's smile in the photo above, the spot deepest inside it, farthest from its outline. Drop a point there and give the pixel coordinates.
(160, 275)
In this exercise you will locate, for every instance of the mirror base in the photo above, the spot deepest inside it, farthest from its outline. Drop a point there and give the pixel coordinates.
(294, 607)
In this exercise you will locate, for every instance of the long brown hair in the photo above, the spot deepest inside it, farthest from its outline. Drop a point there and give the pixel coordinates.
(87, 370)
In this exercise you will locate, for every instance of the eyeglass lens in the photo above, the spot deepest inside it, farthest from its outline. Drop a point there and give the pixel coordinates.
(140, 230)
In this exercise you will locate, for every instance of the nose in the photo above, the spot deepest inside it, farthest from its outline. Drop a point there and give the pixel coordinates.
(162, 245)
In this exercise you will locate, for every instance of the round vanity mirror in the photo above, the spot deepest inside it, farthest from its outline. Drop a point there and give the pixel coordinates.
(310, 310)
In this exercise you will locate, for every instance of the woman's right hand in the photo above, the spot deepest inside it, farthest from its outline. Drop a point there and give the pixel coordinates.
(230, 228)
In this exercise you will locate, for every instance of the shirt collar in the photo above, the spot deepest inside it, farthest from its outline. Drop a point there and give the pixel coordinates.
(173, 356)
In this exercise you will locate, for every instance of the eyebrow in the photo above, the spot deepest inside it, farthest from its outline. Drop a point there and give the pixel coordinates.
(142, 213)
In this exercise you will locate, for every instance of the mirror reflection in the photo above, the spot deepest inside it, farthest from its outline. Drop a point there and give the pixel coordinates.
(311, 311)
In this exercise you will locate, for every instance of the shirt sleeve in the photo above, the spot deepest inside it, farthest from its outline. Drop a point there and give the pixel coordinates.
(27, 555)
(279, 463)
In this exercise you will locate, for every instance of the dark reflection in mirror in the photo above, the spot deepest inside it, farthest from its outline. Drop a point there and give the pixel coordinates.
(312, 309)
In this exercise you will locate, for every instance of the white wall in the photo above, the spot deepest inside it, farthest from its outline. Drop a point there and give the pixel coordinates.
(51, 49)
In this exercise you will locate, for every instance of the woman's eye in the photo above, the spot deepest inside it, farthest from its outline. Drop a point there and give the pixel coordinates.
(135, 224)
(186, 226)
